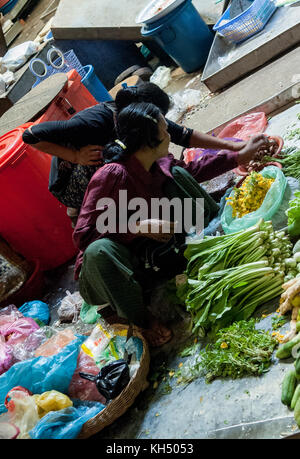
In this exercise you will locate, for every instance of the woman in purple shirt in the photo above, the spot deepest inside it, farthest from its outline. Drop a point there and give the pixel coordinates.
(120, 251)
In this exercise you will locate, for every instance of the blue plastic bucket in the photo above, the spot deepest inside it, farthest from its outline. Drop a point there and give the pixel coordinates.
(94, 85)
(183, 35)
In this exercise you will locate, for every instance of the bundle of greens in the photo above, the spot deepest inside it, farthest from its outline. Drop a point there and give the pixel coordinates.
(239, 350)
(229, 276)
(290, 162)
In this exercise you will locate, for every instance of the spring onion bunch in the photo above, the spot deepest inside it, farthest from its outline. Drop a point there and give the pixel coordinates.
(229, 276)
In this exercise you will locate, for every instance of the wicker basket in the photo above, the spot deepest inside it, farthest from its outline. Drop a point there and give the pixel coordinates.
(120, 404)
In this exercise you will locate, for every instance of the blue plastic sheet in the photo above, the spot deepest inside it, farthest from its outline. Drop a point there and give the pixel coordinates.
(36, 310)
(41, 374)
(66, 423)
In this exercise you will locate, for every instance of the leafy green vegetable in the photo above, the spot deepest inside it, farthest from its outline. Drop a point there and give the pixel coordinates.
(278, 321)
(239, 350)
(229, 276)
(293, 212)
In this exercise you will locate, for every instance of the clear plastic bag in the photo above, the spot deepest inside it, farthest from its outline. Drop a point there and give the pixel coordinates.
(70, 307)
(6, 356)
(98, 340)
(266, 211)
(22, 410)
(54, 344)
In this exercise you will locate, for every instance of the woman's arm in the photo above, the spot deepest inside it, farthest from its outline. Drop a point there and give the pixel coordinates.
(200, 140)
(212, 165)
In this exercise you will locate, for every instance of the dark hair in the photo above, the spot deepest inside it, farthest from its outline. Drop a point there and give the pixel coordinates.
(145, 92)
(136, 126)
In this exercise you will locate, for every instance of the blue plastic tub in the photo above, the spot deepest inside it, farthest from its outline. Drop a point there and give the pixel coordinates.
(94, 85)
(183, 35)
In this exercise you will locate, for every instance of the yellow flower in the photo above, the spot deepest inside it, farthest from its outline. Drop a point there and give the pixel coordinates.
(224, 345)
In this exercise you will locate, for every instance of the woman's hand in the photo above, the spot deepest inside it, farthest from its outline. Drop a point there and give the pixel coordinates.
(256, 143)
(89, 155)
(159, 230)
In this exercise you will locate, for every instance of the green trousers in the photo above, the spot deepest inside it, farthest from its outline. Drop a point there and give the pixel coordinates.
(110, 273)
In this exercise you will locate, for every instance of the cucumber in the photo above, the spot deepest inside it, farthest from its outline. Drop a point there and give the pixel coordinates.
(297, 367)
(288, 388)
(285, 350)
(295, 397)
(297, 412)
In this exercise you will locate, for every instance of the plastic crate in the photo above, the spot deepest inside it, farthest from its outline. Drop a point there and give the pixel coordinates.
(71, 62)
(247, 23)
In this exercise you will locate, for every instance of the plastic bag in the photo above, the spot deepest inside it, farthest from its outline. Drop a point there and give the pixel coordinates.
(66, 423)
(70, 307)
(6, 356)
(246, 126)
(26, 349)
(54, 344)
(161, 77)
(266, 211)
(17, 331)
(17, 56)
(22, 410)
(41, 374)
(36, 310)
(51, 400)
(9, 314)
(88, 313)
(84, 389)
(111, 379)
(97, 341)
(183, 101)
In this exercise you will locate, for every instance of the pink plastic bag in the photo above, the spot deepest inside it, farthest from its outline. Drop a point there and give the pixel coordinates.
(6, 356)
(9, 315)
(246, 126)
(82, 388)
(17, 331)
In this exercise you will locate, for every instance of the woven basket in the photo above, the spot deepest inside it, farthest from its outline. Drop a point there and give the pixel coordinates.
(120, 404)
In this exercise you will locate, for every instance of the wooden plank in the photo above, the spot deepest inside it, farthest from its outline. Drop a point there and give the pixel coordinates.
(13, 32)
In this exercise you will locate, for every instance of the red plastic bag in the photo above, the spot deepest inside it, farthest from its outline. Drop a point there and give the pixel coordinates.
(246, 126)
(82, 388)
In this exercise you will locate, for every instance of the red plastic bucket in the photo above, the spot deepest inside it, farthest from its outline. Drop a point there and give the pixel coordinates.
(32, 221)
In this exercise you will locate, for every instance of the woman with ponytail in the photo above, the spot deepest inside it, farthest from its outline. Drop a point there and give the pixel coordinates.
(119, 261)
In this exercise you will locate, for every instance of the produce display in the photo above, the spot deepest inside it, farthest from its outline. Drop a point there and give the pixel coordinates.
(293, 214)
(290, 160)
(229, 276)
(250, 196)
(238, 351)
(290, 302)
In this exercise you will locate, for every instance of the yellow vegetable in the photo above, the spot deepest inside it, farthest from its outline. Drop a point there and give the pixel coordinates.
(250, 196)
(296, 301)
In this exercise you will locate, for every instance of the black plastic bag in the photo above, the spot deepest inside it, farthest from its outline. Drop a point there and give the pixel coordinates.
(111, 379)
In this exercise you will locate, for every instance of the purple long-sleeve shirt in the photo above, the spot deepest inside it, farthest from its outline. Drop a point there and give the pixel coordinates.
(131, 176)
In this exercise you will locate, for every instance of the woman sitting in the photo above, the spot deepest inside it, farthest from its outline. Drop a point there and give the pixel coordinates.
(117, 256)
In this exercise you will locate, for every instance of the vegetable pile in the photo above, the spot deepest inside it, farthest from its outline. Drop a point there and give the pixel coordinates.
(238, 351)
(290, 161)
(250, 196)
(290, 392)
(229, 276)
(293, 214)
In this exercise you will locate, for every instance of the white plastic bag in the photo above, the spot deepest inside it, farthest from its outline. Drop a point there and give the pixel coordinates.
(161, 77)
(183, 101)
(17, 56)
